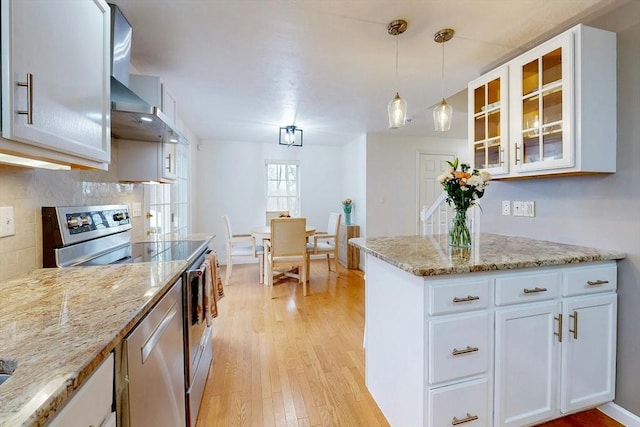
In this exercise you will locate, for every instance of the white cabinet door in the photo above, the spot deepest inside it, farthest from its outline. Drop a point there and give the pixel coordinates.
(526, 363)
(489, 122)
(55, 85)
(169, 162)
(588, 351)
(542, 100)
(145, 161)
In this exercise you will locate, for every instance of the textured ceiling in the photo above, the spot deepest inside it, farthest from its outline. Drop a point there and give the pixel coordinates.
(242, 68)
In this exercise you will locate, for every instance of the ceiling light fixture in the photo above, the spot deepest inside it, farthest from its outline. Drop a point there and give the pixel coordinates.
(288, 136)
(443, 113)
(397, 107)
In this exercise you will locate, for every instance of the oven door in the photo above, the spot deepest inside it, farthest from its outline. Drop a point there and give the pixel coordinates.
(195, 323)
(198, 346)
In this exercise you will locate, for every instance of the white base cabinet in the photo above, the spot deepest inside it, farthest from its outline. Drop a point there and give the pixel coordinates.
(92, 405)
(510, 348)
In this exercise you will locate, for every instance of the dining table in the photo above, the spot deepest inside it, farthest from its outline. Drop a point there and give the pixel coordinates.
(263, 232)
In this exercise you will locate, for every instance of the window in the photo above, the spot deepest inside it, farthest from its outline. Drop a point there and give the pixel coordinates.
(283, 186)
(168, 203)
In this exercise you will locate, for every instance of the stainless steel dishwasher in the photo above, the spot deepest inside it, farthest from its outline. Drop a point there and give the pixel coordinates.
(155, 365)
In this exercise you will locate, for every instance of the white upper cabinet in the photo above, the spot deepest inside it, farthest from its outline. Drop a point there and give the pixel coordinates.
(55, 82)
(561, 113)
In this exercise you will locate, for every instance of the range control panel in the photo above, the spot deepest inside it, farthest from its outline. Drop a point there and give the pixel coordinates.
(82, 222)
(67, 225)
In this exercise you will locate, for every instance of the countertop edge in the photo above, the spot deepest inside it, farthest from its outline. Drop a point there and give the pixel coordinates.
(424, 269)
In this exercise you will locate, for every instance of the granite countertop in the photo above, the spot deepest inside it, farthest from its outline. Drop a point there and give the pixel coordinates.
(59, 324)
(431, 255)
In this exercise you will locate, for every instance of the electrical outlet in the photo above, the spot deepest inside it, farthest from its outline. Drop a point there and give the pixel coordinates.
(7, 222)
(517, 208)
(529, 208)
(506, 207)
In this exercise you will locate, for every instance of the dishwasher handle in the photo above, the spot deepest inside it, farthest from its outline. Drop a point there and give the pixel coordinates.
(155, 337)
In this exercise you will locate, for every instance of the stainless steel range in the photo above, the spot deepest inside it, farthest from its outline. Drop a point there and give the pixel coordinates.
(99, 235)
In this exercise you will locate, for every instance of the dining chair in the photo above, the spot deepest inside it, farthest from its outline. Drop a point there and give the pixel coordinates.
(241, 246)
(326, 242)
(287, 248)
(269, 215)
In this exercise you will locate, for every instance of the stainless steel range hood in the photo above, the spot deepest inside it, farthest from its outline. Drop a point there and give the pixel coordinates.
(132, 117)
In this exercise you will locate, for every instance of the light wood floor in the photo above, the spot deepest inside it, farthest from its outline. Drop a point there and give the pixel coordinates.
(293, 360)
(296, 361)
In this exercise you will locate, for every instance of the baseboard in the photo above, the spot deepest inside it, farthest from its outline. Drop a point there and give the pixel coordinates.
(620, 414)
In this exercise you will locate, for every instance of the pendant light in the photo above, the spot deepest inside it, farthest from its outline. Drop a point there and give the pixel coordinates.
(443, 113)
(397, 107)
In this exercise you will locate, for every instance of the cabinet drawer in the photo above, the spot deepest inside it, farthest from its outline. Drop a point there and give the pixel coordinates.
(521, 288)
(458, 347)
(451, 297)
(465, 404)
(591, 279)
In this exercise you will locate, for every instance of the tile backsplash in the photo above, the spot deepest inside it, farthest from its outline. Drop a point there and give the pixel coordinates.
(27, 190)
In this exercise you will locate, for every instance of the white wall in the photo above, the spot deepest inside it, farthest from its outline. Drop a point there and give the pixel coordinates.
(230, 179)
(392, 180)
(599, 210)
(354, 166)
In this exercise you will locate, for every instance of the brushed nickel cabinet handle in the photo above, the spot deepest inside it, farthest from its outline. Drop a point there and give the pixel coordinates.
(168, 162)
(574, 331)
(466, 299)
(467, 350)
(597, 282)
(517, 151)
(29, 111)
(559, 333)
(534, 290)
(467, 419)
(501, 156)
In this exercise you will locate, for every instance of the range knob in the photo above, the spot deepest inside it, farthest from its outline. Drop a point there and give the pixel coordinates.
(74, 222)
(120, 216)
(78, 221)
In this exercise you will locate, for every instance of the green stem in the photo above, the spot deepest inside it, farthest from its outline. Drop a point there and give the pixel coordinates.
(459, 234)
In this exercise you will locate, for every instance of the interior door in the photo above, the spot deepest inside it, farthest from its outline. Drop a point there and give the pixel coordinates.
(430, 166)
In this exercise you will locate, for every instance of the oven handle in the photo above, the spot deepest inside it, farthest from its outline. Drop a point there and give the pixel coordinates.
(199, 273)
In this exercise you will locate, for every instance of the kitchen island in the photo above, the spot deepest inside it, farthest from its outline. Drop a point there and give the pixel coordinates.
(59, 324)
(488, 335)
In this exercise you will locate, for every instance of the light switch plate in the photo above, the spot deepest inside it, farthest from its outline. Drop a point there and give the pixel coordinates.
(529, 208)
(7, 221)
(136, 211)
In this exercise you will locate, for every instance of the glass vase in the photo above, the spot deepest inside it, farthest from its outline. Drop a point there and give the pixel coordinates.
(460, 230)
(347, 218)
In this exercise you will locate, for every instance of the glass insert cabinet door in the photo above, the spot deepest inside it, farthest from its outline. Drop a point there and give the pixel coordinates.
(488, 123)
(542, 99)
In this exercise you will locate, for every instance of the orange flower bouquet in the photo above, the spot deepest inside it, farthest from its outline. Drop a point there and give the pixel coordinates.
(463, 188)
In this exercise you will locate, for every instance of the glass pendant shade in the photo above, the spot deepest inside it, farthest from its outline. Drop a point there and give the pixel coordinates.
(397, 112)
(442, 116)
